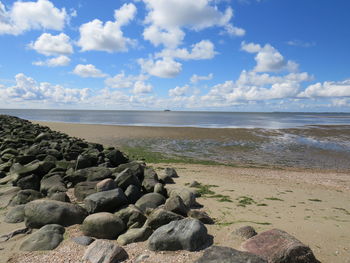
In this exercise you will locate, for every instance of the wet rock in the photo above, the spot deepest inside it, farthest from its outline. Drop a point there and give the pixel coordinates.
(201, 216)
(186, 234)
(216, 254)
(103, 225)
(15, 215)
(107, 201)
(135, 235)
(151, 200)
(131, 216)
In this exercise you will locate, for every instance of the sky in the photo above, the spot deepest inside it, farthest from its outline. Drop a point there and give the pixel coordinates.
(216, 55)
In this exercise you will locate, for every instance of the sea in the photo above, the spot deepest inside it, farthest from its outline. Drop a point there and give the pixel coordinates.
(203, 119)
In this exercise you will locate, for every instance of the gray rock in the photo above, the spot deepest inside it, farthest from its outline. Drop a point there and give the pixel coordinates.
(186, 195)
(84, 189)
(131, 216)
(83, 240)
(159, 188)
(148, 184)
(25, 196)
(194, 184)
(160, 217)
(31, 181)
(141, 258)
(46, 238)
(53, 183)
(106, 185)
(166, 178)
(245, 232)
(186, 234)
(201, 216)
(43, 212)
(116, 157)
(135, 235)
(135, 167)
(176, 205)
(103, 225)
(277, 246)
(15, 215)
(102, 251)
(216, 254)
(133, 194)
(59, 196)
(126, 178)
(171, 172)
(107, 201)
(151, 200)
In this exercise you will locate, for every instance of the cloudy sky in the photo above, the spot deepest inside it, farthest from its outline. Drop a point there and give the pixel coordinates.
(224, 55)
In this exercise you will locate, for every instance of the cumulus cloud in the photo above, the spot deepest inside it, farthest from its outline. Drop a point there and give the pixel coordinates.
(196, 78)
(51, 45)
(163, 68)
(96, 35)
(327, 89)
(24, 16)
(88, 71)
(27, 89)
(141, 87)
(178, 91)
(59, 61)
(166, 18)
(269, 59)
(135, 83)
(204, 49)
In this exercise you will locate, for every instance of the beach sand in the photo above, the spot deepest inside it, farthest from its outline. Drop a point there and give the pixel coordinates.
(311, 204)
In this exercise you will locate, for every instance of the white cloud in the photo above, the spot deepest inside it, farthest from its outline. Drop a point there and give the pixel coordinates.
(165, 19)
(178, 91)
(50, 45)
(233, 31)
(88, 71)
(27, 89)
(202, 50)
(299, 43)
(24, 16)
(196, 78)
(141, 87)
(96, 35)
(163, 68)
(135, 83)
(59, 61)
(269, 59)
(327, 89)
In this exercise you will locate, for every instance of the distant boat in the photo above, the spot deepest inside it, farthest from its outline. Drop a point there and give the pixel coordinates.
(167, 110)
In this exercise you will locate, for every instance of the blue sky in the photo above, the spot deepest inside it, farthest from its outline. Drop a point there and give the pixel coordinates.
(223, 55)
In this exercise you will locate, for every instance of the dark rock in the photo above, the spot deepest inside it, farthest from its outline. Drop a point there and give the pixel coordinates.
(46, 238)
(133, 194)
(131, 216)
(136, 168)
(53, 183)
(15, 215)
(166, 178)
(84, 189)
(31, 181)
(160, 217)
(171, 172)
(176, 205)
(103, 251)
(25, 159)
(106, 185)
(103, 225)
(277, 246)
(107, 201)
(150, 173)
(245, 232)
(186, 234)
(159, 188)
(116, 157)
(151, 200)
(83, 240)
(126, 178)
(201, 216)
(59, 196)
(42, 212)
(216, 254)
(25, 196)
(135, 235)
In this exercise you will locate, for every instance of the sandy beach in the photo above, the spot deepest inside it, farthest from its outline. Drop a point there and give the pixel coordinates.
(311, 204)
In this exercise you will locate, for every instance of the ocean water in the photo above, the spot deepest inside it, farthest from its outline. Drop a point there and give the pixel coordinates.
(184, 119)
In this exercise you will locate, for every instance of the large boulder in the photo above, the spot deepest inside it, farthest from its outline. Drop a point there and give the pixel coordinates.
(150, 180)
(135, 167)
(186, 234)
(131, 216)
(43, 212)
(31, 181)
(84, 189)
(116, 157)
(160, 217)
(107, 201)
(135, 235)
(46, 238)
(103, 251)
(15, 215)
(150, 200)
(103, 225)
(186, 195)
(25, 196)
(126, 178)
(216, 254)
(277, 246)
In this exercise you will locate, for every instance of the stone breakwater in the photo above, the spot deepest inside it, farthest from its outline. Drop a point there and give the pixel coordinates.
(114, 198)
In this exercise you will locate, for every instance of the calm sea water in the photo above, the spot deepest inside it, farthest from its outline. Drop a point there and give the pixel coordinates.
(185, 119)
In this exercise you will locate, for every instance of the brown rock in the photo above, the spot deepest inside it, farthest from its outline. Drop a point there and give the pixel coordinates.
(105, 185)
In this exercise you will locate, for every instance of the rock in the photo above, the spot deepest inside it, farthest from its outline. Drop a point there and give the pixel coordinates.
(159, 188)
(141, 258)
(107, 201)
(83, 240)
(46, 238)
(245, 232)
(135, 235)
(88, 174)
(103, 225)
(85, 161)
(151, 200)
(148, 184)
(106, 185)
(116, 157)
(160, 217)
(25, 196)
(126, 178)
(135, 167)
(194, 184)
(166, 178)
(53, 183)
(31, 181)
(277, 246)
(133, 194)
(186, 234)
(216, 254)
(176, 205)
(201, 216)
(7, 193)
(171, 172)
(43, 136)
(186, 195)
(15, 215)
(84, 189)
(131, 216)
(59, 196)
(102, 251)
(42, 212)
